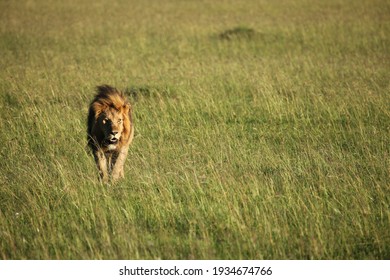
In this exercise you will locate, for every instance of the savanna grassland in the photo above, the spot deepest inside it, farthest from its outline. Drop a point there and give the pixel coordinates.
(262, 129)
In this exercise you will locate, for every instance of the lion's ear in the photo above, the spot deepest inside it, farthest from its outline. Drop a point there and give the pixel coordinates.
(126, 108)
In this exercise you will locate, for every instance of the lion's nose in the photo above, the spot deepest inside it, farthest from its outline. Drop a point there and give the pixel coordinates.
(114, 133)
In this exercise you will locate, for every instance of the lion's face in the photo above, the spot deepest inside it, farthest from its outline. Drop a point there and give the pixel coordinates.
(110, 122)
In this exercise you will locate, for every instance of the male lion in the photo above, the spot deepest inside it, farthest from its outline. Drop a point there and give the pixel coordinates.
(110, 131)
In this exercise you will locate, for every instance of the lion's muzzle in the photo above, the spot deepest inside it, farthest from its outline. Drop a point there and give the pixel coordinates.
(113, 141)
(113, 138)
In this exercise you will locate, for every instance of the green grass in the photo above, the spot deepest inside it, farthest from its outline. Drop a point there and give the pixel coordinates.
(271, 142)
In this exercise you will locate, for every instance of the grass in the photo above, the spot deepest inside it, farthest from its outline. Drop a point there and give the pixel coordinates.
(262, 129)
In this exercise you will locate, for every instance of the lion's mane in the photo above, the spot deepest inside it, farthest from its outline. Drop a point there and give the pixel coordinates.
(108, 97)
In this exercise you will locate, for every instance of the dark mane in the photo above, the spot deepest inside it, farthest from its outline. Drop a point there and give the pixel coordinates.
(105, 90)
(109, 96)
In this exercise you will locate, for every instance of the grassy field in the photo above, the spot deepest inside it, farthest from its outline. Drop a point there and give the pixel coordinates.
(262, 129)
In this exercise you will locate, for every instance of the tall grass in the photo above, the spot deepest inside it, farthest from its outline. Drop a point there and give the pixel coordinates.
(270, 142)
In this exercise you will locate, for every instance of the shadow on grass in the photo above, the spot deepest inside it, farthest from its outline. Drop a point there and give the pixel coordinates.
(239, 32)
(137, 93)
(246, 34)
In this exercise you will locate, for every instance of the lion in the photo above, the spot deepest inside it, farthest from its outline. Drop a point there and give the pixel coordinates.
(110, 131)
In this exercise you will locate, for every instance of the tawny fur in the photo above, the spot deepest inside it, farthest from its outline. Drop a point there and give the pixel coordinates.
(110, 131)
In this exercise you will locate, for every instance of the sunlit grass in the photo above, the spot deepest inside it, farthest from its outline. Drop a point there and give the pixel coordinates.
(271, 142)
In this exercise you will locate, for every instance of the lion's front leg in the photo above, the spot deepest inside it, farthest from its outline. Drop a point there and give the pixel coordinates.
(118, 163)
(101, 163)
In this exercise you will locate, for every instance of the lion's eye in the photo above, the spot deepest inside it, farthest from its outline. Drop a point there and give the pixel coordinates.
(120, 120)
(105, 120)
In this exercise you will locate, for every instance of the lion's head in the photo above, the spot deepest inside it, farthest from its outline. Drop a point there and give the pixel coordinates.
(109, 120)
